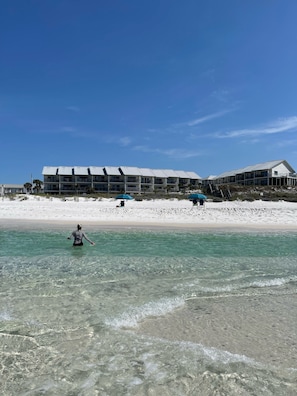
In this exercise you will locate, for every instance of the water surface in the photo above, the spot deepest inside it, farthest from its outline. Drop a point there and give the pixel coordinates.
(148, 313)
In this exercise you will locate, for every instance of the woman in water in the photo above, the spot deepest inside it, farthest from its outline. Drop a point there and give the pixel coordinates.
(78, 235)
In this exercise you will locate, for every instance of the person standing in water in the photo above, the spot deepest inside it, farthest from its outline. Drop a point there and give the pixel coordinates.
(78, 235)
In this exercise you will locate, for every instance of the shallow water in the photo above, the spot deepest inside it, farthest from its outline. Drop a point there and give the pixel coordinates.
(148, 313)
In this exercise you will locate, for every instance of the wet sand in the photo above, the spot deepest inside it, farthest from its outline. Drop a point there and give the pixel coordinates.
(36, 224)
(259, 327)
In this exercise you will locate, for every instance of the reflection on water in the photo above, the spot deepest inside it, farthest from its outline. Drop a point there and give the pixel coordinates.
(69, 316)
(78, 251)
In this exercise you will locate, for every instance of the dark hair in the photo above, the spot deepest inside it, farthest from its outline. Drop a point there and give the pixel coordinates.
(78, 226)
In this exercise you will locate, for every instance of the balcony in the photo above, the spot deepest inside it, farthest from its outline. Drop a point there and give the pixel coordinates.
(132, 179)
(67, 179)
(83, 180)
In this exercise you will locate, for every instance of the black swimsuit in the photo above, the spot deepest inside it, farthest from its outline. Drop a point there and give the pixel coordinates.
(78, 236)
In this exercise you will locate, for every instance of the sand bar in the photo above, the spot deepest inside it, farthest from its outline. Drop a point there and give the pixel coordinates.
(257, 327)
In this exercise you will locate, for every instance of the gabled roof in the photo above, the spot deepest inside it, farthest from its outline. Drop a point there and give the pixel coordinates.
(257, 167)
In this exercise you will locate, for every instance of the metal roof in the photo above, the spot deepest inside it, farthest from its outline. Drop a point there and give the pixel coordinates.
(182, 174)
(170, 173)
(159, 173)
(193, 175)
(251, 168)
(5, 185)
(49, 170)
(81, 170)
(97, 170)
(131, 170)
(65, 170)
(112, 170)
(146, 172)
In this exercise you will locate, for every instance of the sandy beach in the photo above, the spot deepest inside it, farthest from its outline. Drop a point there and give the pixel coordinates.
(33, 211)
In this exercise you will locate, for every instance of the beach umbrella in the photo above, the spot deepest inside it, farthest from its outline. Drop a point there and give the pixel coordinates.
(124, 196)
(197, 196)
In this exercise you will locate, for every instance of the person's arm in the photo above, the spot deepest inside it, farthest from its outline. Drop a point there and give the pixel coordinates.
(71, 236)
(91, 242)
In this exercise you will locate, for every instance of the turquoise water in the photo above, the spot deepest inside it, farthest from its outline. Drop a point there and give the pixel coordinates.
(69, 316)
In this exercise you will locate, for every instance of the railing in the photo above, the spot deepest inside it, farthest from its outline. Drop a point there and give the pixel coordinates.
(83, 180)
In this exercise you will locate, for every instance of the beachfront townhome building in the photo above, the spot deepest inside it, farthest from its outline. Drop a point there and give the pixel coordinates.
(273, 173)
(114, 180)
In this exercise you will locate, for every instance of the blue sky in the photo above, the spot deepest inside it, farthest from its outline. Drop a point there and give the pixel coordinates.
(204, 86)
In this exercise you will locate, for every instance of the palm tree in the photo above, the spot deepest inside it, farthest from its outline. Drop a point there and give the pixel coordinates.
(38, 185)
(28, 187)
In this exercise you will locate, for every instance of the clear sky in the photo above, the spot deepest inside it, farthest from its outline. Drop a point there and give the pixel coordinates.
(203, 86)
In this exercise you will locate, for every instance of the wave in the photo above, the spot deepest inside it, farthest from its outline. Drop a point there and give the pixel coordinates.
(134, 315)
(271, 282)
(216, 354)
(195, 289)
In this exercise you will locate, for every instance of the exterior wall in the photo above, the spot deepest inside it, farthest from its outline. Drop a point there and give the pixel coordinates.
(146, 184)
(279, 175)
(72, 183)
(280, 171)
(6, 189)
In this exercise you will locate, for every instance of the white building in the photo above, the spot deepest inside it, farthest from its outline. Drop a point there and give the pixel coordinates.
(6, 189)
(272, 173)
(110, 179)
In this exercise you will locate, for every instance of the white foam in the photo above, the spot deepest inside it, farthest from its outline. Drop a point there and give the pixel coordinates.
(5, 316)
(134, 315)
(270, 282)
(216, 354)
(225, 356)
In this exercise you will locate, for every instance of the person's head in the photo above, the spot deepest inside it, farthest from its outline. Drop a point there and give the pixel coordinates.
(78, 226)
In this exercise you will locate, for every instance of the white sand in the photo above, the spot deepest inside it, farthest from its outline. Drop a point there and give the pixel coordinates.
(149, 213)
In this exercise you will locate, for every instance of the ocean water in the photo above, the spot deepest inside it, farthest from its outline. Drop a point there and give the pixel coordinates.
(148, 313)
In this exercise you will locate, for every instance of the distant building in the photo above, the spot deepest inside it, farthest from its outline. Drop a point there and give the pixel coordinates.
(273, 173)
(6, 189)
(110, 179)
(208, 180)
